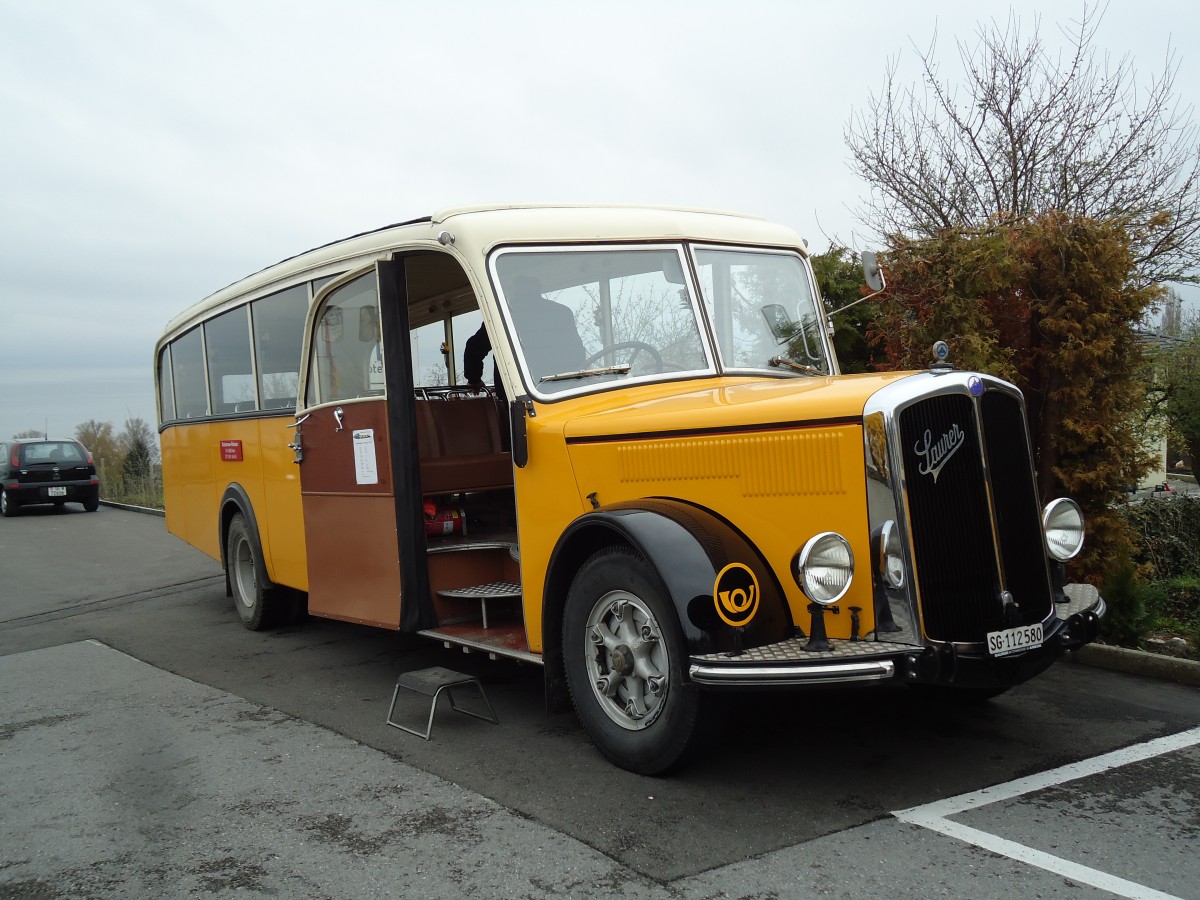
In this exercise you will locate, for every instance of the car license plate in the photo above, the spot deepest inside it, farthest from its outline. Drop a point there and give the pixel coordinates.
(57, 492)
(1014, 640)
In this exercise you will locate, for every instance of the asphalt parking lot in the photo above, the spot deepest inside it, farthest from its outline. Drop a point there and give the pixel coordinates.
(153, 747)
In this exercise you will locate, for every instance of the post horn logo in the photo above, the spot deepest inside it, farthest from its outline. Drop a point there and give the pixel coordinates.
(735, 594)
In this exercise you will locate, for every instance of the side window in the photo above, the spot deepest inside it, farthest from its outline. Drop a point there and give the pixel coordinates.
(462, 328)
(428, 361)
(166, 390)
(187, 374)
(278, 335)
(347, 358)
(230, 374)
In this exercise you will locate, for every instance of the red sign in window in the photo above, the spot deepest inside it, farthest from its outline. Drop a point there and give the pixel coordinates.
(231, 451)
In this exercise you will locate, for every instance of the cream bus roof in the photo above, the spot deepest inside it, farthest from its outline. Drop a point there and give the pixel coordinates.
(477, 229)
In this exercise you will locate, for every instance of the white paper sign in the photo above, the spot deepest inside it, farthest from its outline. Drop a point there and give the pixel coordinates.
(365, 470)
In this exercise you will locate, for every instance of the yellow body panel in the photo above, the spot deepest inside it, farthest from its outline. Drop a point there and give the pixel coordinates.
(195, 478)
(780, 459)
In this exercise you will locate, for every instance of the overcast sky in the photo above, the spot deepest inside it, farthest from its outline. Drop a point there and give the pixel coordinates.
(152, 152)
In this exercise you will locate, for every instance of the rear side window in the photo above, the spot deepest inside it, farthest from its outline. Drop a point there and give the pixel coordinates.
(187, 369)
(278, 335)
(230, 373)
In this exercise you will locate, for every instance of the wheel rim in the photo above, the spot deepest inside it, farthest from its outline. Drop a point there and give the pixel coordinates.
(244, 575)
(4, 503)
(627, 660)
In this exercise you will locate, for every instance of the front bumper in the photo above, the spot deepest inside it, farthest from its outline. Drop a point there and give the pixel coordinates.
(1075, 623)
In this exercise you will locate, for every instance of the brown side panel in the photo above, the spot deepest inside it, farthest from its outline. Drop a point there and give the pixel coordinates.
(350, 527)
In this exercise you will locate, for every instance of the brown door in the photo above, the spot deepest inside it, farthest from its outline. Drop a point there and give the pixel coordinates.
(350, 514)
(359, 479)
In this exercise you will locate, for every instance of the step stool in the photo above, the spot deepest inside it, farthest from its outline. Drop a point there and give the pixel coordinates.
(431, 682)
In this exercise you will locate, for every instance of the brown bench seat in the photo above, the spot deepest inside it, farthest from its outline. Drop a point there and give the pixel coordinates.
(459, 445)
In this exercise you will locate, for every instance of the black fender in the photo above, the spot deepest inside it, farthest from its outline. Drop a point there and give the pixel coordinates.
(689, 549)
(235, 500)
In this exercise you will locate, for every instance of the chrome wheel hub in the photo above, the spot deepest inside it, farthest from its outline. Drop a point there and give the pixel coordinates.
(627, 660)
(244, 574)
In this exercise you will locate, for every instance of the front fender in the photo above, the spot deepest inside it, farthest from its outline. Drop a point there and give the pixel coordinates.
(691, 550)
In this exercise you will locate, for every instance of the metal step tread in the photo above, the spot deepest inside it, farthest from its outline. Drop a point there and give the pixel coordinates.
(506, 640)
(792, 650)
(495, 590)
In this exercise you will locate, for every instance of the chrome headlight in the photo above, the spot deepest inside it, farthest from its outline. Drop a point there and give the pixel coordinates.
(824, 568)
(890, 556)
(1062, 524)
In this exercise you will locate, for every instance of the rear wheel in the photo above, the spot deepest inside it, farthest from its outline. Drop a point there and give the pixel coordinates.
(624, 655)
(91, 504)
(8, 509)
(254, 602)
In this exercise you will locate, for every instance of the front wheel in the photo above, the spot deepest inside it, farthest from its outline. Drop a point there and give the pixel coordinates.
(624, 655)
(253, 601)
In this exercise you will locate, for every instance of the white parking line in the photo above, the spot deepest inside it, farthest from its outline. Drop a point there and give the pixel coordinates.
(935, 816)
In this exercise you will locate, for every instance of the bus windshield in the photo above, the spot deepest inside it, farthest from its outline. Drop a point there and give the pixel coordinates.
(597, 315)
(763, 310)
(584, 316)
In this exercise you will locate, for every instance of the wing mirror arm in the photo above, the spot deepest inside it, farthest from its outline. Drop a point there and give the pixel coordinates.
(873, 273)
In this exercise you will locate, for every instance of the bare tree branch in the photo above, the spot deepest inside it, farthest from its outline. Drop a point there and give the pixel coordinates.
(1027, 132)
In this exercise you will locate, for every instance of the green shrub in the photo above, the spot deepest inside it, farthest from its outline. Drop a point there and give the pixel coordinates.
(1174, 607)
(1168, 532)
(1128, 616)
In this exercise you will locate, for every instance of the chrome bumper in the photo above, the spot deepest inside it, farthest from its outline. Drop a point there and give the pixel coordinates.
(847, 662)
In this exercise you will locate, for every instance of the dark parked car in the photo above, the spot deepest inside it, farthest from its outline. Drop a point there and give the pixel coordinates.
(41, 471)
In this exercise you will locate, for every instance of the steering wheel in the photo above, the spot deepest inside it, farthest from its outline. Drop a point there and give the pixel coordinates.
(636, 346)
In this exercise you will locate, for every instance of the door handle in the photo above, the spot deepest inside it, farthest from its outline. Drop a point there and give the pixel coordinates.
(337, 417)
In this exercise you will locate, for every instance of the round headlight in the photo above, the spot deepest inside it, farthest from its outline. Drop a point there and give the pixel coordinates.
(824, 568)
(1062, 523)
(891, 557)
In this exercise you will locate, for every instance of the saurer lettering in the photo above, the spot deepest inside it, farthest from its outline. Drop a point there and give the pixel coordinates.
(938, 454)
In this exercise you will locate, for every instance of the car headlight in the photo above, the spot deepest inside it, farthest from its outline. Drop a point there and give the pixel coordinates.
(890, 556)
(1062, 524)
(824, 568)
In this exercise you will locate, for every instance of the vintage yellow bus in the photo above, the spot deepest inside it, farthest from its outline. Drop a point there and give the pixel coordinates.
(666, 490)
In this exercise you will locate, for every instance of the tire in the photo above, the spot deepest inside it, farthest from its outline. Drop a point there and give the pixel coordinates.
(624, 655)
(8, 509)
(91, 504)
(253, 601)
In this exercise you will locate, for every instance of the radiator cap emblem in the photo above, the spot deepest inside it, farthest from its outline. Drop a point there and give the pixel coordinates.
(975, 386)
(941, 355)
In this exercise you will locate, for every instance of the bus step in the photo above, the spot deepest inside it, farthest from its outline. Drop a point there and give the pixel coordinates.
(496, 590)
(431, 682)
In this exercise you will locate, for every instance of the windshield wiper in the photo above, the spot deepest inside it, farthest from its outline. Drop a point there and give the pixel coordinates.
(587, 373)
(778, 361)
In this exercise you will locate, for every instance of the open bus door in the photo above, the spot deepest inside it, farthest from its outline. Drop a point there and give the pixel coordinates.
(358, 485)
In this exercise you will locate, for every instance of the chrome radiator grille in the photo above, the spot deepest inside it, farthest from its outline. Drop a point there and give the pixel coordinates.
(968, 543)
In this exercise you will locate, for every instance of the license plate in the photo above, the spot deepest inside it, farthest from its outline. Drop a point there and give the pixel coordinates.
(1014, 640)
(57, 492)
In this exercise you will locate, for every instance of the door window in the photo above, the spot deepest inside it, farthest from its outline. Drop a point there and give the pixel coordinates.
(347, 356)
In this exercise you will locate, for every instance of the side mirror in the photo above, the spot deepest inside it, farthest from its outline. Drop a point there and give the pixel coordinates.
(368, 324)
(872, 271)
(778, 322)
